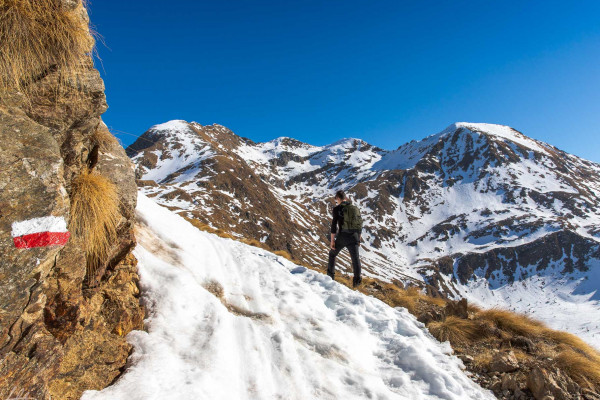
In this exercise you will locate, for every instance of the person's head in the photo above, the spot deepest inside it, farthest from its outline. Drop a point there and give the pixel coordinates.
(340, 196)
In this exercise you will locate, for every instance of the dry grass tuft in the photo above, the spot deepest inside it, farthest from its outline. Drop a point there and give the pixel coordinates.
(103, 138)
(198, 224)
(575, 343)
(284, 254)
(253, 242)
(521, 356)
(215, 288)
(458, 331)
(519, 324)
(438, 301)
(37, 36)
(583, 369)
(472, 308)
(223, 234)
(207, 228)
(401, 298)
(483, 359)
(94, 216)
(407, 298)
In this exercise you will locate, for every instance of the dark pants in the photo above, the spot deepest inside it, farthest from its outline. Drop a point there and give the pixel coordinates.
(349, 240)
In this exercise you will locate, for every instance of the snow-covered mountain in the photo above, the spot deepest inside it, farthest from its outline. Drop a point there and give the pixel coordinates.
(231, 321)
(477, 210)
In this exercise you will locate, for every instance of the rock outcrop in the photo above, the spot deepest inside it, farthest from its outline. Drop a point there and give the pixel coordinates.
(62, 324)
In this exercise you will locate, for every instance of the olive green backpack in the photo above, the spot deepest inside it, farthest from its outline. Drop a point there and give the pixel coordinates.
(352, 219)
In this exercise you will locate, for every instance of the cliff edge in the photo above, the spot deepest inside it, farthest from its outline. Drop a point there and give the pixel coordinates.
(69, 285)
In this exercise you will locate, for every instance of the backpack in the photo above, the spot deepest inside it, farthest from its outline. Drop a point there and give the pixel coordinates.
(352, 219)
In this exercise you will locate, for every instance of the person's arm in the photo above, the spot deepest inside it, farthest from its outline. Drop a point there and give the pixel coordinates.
(333, 228)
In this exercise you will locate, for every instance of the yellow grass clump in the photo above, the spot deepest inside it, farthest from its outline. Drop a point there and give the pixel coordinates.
(438, 301)
(284, 254)
(207, 228)
(401, 298)
(458, 331)
(519, 324)
(407, 298)
(223, 234)
(94, 216)
(473, 308)
(583, 369)
(198, 224)
(575, 343)
(253, 242)
(38, 35)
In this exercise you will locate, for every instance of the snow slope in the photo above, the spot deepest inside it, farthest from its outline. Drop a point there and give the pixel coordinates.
(267, 329)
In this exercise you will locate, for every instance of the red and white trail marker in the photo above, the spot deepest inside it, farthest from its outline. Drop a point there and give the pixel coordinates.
(40, 232)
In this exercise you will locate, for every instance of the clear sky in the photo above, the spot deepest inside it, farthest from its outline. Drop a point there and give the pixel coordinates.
(384, 71)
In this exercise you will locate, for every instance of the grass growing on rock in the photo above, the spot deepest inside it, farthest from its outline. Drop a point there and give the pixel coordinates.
(94, 216)
(103, 138)
(38, 36)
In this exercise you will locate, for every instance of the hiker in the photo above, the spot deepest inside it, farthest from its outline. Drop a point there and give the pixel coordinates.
(346, 229)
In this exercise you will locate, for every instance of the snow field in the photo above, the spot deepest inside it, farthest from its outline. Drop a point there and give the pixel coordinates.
(230, 321)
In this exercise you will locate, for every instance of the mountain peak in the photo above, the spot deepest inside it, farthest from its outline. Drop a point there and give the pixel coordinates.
(173, 125)
(287, 141)
(501, 132)
(346, 142)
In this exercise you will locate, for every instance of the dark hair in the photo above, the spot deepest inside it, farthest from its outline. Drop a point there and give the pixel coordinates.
(340, 194)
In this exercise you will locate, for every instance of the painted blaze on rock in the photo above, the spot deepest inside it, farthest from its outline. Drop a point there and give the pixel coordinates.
(40, 232)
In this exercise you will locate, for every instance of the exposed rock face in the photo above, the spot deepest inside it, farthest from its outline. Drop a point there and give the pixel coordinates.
(476, 206)
(504, 362)
(551, 385)
(59, 336)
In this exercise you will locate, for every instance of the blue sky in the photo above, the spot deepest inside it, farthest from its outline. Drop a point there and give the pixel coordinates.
(384, 71)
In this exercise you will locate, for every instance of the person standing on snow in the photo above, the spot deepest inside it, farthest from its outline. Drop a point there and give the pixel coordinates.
(346, 229)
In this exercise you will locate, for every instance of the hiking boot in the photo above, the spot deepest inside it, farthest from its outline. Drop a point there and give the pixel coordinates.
(356, 282)
(332, 276)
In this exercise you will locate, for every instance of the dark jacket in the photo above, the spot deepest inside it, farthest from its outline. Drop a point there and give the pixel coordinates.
(338, 218)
